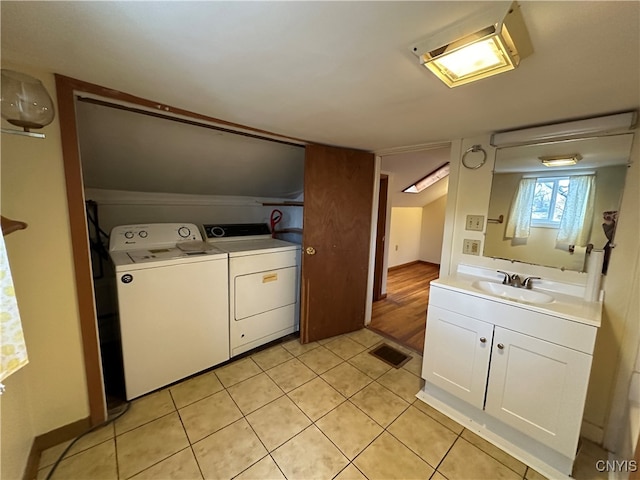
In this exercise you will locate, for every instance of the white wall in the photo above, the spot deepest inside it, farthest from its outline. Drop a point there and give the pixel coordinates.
(613, 363)
(433, 215)
(404, 235)
(51, 391)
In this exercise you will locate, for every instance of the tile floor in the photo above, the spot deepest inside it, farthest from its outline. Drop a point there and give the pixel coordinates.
(323, 410)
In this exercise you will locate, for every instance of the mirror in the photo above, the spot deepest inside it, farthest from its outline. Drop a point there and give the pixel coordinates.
(553, 220)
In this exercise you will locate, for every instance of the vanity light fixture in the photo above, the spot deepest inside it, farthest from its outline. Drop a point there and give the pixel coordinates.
(429, 180)
(617, 122)
(478, 47)
(25, 103)
(560, 160)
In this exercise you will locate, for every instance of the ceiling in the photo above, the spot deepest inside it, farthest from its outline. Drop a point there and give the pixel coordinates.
(337, 73)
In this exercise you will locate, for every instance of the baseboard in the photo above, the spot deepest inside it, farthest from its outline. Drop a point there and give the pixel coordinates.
(51, 439)
(415, 262)
(592, 432)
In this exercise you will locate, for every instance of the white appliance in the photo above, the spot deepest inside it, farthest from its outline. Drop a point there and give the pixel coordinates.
(173, 297)
(264, 279)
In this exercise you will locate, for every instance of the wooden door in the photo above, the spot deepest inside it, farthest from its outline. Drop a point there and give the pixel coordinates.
(380, 238)
(456, 354)
(338, 199)
(539, 388)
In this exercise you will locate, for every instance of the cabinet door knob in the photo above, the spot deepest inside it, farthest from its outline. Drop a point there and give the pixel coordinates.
(483, 340)
(310, 251)
(501, 346)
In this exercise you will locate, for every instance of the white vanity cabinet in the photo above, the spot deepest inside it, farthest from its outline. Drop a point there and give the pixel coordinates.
(515, 374)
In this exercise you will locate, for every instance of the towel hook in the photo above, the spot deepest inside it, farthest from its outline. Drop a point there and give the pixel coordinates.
(474, 149)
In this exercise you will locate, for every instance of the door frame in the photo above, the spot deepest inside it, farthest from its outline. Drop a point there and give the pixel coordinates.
(381, 236)
(67, 89)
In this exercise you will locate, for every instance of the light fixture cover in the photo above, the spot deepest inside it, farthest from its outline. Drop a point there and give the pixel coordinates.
(560, 160)
(25, 101)
(479, 47)
(429, 179)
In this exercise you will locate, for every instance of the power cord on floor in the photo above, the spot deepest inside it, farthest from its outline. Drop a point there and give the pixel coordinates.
(109, 420)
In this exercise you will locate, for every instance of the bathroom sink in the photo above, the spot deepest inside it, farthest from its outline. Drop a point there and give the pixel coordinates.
(511, 293)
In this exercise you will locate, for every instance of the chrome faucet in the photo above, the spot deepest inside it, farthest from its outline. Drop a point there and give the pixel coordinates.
(514, 280)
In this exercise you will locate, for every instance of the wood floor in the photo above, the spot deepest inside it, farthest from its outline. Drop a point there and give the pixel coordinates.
(402, 315)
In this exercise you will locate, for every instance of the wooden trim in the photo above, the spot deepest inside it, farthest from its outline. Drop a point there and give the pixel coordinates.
(81, 255)
(415, 262)
(66, 89)
(51, 439)
(381, 235)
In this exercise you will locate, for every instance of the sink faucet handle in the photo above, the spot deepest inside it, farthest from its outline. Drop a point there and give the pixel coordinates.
(515, 280)
(527, 282)
(507, 278)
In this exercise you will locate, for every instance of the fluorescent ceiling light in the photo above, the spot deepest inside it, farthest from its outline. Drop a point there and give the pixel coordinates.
(429, 180)
(561, 160)
(560, 131)
(478, 47)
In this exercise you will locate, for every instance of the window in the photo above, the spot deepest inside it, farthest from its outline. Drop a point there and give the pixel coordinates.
(549, 199)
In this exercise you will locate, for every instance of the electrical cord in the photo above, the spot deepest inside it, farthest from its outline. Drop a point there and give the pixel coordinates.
(96, 427)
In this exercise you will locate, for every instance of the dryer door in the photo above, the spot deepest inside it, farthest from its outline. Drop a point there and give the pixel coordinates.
(261, 292)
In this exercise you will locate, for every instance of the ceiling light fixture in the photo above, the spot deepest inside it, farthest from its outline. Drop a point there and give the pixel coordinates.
(478, 47)
(561, 160)
(429, 180)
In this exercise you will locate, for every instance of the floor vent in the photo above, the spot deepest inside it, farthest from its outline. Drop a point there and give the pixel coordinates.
(390, 355)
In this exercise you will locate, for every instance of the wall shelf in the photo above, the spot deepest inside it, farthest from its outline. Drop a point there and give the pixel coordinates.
(283, 204)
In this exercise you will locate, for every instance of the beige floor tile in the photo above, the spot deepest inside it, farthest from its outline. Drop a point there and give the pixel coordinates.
(465, 461)
(50, 455)
(145, 446)
(414, 365)
(238, 371)
(316, 398)
(229, 451)
(144, 410)
(500, 455)
(365, 337)
(387, 458)
(294, 347)
(320, 359)
(402, 382)
(271, 357)
(451, 424)
(438, 476)
(423, 435)
(195, 389)
(370, 365)
(254, 393)
(584, 467)
(350, 472)
(379, 403)
(344, 347)
(180, 466)
(265, 469)
(97, 462)
(291, 374)
(349, 429)
(209, 415)
(277, 422)
(309, 455)
(347, 379)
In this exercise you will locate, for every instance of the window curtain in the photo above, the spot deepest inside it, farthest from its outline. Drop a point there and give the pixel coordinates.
(13, 352)
(575, 226)
(519, 223)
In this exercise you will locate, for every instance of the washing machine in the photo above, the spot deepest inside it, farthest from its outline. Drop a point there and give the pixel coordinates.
(264, 283)
(173, 298)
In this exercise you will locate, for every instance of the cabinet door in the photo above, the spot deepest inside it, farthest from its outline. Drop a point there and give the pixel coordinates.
(456, 354)
(538, 388)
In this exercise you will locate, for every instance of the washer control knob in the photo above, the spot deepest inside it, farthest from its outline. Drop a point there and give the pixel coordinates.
(143, 233)
(184, 232)
(128, 234)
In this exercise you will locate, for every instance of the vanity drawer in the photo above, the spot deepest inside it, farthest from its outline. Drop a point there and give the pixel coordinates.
(568, 333)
